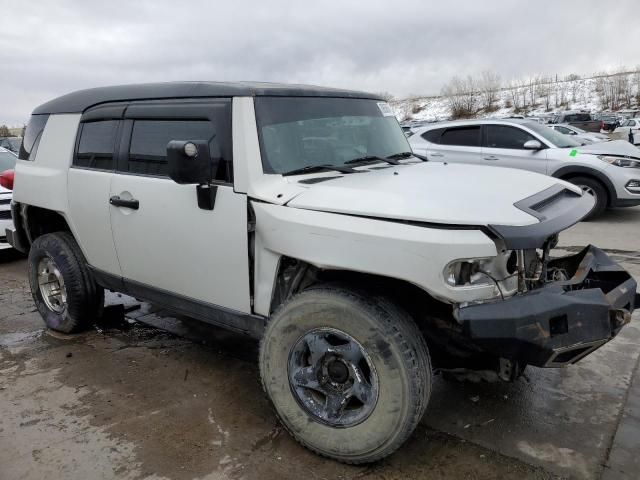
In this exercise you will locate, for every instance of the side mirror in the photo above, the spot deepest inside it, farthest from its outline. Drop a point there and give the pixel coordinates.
(532, 145)
(190, 162)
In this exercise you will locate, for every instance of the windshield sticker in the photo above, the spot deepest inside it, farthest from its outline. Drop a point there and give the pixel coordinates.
(573, 153)
(385, 108)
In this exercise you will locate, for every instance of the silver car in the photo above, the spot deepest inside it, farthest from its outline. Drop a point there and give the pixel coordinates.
(580, 135)
(7, 162)
(610, 171)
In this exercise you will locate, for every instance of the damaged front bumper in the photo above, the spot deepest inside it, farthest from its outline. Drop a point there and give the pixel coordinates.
(561, 322)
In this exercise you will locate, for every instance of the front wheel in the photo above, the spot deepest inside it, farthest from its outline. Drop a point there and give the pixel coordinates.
(349, 374)
(597, 190)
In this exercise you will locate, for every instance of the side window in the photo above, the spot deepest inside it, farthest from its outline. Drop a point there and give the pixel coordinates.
(433, 136)
(564, 130)
(97, 144)
(504, 136)
(461, 136)
(32, 135)
(149, 139)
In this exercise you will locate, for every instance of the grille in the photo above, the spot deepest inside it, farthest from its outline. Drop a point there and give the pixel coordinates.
(5, 214)
(5, 201)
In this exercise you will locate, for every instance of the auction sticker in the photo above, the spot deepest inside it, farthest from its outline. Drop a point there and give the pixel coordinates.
(385, 108)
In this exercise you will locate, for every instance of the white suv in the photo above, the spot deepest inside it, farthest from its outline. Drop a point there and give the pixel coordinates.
(299, 215)
(610, 171)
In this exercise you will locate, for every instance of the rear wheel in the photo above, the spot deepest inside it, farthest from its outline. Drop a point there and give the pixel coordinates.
(349, 374)
(62, 286)
(597, 190)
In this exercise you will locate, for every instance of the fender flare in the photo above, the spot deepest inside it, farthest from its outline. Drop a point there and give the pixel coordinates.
(574, 170)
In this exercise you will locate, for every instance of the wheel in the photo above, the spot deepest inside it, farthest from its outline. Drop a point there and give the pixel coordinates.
(62, 286)
(349, 375)
(595, 188)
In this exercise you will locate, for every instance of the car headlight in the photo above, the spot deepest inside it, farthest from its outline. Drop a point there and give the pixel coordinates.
(471, 273)
(620, 161)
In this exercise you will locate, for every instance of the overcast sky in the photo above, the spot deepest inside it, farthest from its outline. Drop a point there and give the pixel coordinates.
(403, 47)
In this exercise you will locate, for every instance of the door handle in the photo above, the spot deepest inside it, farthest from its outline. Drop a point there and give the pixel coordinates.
(491, 157)
(436, 154)
(116, 201)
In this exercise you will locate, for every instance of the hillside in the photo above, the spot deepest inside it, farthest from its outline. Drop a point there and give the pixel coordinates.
(594, 94)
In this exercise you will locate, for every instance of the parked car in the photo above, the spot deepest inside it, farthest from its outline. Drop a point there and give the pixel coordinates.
(580, 135)
(299, 215)
(7, 164)
(609, 122)
(608, 170)
(630, 126)
(582, 120)
(11, 143)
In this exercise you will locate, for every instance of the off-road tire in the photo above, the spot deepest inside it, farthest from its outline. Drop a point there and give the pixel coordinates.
(84, 298)
(393, 343)
(599, 192)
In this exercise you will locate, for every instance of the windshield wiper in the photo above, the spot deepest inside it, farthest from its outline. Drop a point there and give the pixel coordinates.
(407, 155)
(319, 168)
(371, 158)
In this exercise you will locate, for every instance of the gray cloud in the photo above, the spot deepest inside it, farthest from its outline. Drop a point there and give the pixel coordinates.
(408, 47)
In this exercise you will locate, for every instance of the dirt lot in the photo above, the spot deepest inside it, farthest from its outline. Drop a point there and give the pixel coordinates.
(130, 400)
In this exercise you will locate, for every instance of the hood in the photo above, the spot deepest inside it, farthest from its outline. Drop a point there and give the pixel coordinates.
(431, 192)
(615, 147)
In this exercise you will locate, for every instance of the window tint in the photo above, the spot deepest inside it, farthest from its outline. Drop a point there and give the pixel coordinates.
(577, 117)
(32, 135)
(96, 145)
(564, 130)
(503, 136)
(433, 136)
(461, 136)
(149, 139)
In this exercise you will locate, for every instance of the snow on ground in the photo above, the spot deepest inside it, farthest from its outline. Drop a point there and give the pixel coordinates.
(581, 95)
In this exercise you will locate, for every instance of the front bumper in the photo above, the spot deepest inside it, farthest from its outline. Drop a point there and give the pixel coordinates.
(560, 323)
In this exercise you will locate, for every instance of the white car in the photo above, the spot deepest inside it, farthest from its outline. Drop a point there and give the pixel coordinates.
(629, 126)
(578, 134)
(300, 216)
(610, 171)
(7, 163)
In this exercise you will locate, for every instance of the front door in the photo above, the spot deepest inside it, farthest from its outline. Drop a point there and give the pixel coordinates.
(164, 241)
(503, 146)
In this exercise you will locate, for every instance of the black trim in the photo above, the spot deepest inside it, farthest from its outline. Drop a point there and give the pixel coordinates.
(246, 323)
(81, 100)
(556, 209)
(572, 170)
(626, 202)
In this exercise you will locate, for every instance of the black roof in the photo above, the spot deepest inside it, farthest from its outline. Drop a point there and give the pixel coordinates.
(80, 100)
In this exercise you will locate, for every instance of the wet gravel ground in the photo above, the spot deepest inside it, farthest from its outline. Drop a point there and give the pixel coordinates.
(155, 396)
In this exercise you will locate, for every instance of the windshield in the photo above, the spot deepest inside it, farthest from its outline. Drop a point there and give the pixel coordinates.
(298, 132)
(7, 161)
(557, 139)
(576, 129)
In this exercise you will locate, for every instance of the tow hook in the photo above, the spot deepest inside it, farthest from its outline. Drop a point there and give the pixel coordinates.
(619, 318)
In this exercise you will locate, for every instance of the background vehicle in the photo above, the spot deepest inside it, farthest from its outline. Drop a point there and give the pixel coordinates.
(300, 216)
(607, 170)
(11, 143)
(609, 122)
(582, 120)
(633, 126)
(7, 163)
(579, 134)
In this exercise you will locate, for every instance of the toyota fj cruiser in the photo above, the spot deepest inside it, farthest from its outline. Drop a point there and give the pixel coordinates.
(300, 216)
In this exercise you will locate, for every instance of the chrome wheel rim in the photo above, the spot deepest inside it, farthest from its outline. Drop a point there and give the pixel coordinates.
(588, 189)
(51, 285)
(332, 378)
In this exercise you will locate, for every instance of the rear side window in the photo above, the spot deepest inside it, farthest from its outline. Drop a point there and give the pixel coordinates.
(32, 136)
(577, 117)
(149, 139)
(503, 136)
(433, 136)
(97, 144)
(461, 136)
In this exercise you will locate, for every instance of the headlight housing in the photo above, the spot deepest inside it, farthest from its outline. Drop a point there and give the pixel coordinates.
(498, 272)
(620, 161)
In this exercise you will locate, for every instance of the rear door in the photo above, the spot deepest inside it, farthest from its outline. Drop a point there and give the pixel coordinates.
(88, 186)
(165, 242)
(455, 144)
(503, 146)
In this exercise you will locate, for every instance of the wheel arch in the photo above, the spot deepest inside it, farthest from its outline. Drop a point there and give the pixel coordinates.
(32, 222)
(568, 172)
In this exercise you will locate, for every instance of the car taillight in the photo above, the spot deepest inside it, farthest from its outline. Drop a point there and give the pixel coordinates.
(602, 125)
(6, 179)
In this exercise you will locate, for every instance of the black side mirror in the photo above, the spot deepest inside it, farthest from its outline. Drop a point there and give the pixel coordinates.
(190, 162)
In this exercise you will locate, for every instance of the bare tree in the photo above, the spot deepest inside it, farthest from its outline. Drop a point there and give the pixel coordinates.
(462, 95)
(4, 131)
(488, 87)
(514, 94)
(544, 92)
